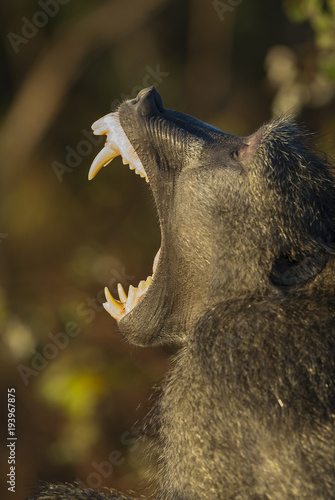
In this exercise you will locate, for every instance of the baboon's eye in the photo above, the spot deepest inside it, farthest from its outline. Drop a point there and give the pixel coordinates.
(235, 154)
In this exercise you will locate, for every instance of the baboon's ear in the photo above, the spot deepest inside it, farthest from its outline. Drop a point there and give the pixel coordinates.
(250, 146)
(289, 274)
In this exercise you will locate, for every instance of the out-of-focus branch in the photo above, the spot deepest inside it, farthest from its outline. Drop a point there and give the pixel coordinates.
(57, 67)
(202, 70)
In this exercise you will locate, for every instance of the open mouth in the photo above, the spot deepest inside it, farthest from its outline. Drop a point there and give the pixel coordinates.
(118, 144)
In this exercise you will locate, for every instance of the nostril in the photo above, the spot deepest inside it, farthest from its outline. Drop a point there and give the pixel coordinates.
(148, 101)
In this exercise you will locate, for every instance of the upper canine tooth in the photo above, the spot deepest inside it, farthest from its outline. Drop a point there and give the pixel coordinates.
(117, 143)
(101, 160)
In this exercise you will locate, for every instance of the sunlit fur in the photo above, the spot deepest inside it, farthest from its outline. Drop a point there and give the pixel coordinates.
(245, 287)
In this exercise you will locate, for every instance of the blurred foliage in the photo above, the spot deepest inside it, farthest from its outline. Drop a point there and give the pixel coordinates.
(320, 14)
(80, 386)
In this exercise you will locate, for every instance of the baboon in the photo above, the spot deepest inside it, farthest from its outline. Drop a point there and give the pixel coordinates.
(243, 284)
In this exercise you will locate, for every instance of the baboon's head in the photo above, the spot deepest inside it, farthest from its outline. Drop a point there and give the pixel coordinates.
(236, 213)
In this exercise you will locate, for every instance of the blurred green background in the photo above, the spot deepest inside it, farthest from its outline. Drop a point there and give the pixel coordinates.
(64, 64)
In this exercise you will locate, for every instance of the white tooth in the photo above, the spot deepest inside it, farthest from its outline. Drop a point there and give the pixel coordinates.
(101, 127)
(117, 143)
(142, 286)
(131, 300)
(122, 293)
(149, 280)
(110, 310)
(112, 306)
(101, 160)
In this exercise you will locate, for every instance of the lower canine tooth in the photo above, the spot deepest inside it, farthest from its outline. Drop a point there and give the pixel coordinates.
(112, 306)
